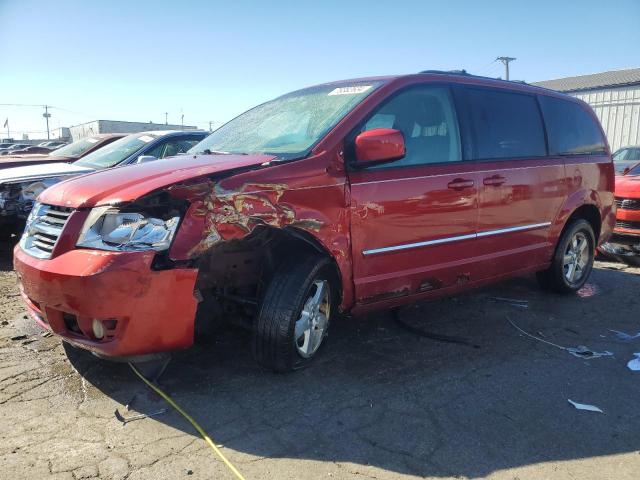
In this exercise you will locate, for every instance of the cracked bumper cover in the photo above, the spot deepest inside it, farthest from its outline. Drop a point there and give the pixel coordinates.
(151, 311)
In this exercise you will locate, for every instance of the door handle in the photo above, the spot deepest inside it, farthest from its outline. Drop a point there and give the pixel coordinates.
(495, 181)
(460, 184)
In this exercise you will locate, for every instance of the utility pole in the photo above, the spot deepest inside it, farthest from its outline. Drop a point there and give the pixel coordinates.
(47, 115)
(505, 61)
(166, 118)
(210, 122)
(182, 121)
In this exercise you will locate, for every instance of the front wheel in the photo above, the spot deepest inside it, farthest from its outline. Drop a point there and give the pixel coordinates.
(295, 314)
(573, 259)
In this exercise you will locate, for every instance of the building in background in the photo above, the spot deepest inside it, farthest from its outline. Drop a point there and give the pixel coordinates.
(614, 96)
(61, 133)
(83, 130)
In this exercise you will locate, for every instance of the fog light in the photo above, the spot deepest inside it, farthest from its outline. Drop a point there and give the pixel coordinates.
(98, 329)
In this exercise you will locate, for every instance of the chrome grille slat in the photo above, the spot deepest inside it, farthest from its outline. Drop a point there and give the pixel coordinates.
(43, 239)
(627, 224)
(628, 203)
(43, 246)
(44, 229)
(54, 220)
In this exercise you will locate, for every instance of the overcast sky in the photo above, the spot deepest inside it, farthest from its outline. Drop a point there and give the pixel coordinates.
(126, 60)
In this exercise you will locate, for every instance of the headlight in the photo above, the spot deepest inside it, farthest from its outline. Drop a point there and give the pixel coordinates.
(106, 228)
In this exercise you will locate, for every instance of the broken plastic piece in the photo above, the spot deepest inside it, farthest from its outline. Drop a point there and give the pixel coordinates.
(584, 406)
(584, 352)
(635, 363)
(18, 337)
(625, 336)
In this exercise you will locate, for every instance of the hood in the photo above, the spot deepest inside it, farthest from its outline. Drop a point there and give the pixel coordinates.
(127, 183)
(11, 161)
(628, 187)
(41, 172)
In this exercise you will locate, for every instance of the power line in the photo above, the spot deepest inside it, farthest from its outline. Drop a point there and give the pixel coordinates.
(486, 67)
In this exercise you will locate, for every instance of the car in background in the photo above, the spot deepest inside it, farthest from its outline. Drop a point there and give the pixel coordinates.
(20, 186)
(31, 150)
(624, 244)
(14, 146)
(626, 158)
(68, 153)
(53, 144)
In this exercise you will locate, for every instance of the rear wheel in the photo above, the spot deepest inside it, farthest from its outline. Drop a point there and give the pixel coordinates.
(573, 259)
(295, 314)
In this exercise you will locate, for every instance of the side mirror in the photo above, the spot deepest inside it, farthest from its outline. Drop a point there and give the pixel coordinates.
(626, 170)
(146, 158)
(379, 145)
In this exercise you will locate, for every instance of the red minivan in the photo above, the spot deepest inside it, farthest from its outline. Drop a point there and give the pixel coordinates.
(340, 198)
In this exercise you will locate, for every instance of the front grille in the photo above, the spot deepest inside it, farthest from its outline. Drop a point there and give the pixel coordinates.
(628, 203)
(626, 224)
(43, 229)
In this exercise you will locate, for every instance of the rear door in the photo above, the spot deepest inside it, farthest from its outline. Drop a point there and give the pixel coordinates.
(521, 188)
(413, 221)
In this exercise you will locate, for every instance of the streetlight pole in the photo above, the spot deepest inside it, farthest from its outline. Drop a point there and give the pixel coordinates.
(47, 115)
(166, 118)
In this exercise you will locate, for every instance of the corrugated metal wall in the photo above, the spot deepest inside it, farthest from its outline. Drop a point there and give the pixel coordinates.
(619, 112)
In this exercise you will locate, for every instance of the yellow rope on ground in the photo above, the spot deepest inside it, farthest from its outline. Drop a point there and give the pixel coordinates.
(195, 424)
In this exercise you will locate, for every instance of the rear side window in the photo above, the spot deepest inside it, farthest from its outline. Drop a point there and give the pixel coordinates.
(571, 130)
(504, 124)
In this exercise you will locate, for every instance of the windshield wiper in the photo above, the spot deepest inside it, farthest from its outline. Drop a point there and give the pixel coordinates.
(218, 152)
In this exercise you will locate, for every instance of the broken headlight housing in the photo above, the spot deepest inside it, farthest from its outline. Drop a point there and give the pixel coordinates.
(107, 228)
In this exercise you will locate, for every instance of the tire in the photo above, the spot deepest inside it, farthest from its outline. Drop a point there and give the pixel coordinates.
(561, 277)
(297, 286)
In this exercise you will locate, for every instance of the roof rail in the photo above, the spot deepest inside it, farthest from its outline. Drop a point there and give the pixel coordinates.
(465, 73)
(447, 72)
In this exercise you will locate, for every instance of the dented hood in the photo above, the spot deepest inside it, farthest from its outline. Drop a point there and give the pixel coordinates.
(41, 172)
(628, 187)
(127, 183)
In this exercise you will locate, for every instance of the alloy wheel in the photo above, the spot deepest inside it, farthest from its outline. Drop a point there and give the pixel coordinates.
(311, 327)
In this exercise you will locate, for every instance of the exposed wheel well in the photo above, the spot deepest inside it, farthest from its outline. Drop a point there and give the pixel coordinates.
(591, 214)
(233, 275)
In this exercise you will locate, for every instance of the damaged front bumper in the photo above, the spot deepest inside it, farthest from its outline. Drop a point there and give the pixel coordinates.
(140, 311)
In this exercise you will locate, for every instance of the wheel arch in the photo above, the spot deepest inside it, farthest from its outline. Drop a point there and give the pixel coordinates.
(585, 204)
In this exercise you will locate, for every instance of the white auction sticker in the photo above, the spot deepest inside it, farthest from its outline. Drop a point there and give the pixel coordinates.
(352, 90)
(146, 138)
(92, 140)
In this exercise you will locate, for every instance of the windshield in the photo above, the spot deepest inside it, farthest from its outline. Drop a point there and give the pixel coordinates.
(116, 152)
(289, 126)
(76, 149)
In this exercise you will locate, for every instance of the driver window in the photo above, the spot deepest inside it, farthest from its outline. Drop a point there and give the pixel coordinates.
(426, 117)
